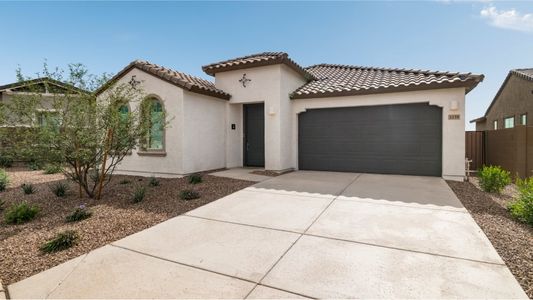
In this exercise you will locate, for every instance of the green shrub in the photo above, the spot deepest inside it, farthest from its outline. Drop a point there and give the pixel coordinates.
(493, 178)
(35, 165)
(59, 189)
(153, 181)
(6, 161)
(125, 181)
(62, 241)
(4, 180)
(195, 178)
(53, 169)
(189, 195)
(80, 213)
(139, 194)
(522, 206)
(20, 213)
(28, 188)
(2, 204)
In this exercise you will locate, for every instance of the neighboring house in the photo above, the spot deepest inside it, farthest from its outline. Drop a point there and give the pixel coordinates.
(512, 105)
(44, 87)
(265, 110)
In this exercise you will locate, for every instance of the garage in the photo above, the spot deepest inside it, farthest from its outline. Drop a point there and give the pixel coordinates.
(387, 139)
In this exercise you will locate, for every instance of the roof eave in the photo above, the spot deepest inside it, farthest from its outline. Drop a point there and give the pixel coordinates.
(481, 119)
(469, 83)
(188, 87)
(209, 70)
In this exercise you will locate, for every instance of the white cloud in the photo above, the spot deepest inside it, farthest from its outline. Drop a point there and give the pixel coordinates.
(508, 19)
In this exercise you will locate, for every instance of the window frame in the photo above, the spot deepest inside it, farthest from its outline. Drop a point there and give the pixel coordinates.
(522, 116)
(495, 125)
(145, 150)
(505, 122)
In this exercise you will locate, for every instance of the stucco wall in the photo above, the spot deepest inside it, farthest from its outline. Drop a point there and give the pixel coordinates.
(453, 131)
(270, 85)
(172, 98)
(515, 99)
(204, 133)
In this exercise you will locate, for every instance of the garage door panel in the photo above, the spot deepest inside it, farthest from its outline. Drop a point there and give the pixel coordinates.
(391, 139)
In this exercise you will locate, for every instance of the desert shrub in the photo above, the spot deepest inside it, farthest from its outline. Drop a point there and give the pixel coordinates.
(195, 178)
(125, 181)
(59, 189)
(522, 206)
(189, 195)
(28, 188)
(53, 169)
(493, 178)
(2, 204)
(4, 180)
(61, 241)
(80, 213)
(20, 213)
(6, 161)
(139, 194)
(153, 181)
(35, 165)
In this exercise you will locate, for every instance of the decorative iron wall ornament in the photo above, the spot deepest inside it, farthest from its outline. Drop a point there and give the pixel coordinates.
(133, 82)
(244, 80)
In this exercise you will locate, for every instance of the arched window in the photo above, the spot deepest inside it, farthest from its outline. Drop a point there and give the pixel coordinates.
(124, 111)
(156, 125)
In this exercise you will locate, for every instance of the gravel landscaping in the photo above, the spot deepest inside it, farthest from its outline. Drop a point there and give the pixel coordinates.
(513, 240)
(113, 217)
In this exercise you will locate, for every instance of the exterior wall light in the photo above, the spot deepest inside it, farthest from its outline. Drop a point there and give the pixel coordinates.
(454, 105)
(271, 111)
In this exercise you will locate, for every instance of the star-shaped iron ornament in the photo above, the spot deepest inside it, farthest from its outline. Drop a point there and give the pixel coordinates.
(244, 80)
(133, 82)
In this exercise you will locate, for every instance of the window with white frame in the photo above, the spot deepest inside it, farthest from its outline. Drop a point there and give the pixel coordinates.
(495, 125)
(508, 122)
(523, 119)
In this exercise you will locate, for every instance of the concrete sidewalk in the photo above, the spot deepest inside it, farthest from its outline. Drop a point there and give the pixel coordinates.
(302, 234)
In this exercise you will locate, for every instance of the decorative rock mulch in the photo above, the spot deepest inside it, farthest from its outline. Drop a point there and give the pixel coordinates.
(513, 240)
(114, 216)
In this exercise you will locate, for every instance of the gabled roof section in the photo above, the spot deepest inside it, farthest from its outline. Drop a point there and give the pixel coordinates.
(47, 84)
(343, 80)
(182, 80)
(256, 60)
(526, 74)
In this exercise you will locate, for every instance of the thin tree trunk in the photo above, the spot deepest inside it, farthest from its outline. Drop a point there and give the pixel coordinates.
(102, 174)
(78, 171)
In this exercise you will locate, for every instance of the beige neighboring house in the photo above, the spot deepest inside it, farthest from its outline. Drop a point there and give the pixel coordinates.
(46, 88)
(265, 110)
(512, 105)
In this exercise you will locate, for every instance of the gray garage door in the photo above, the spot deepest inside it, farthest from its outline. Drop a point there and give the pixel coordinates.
(389, 139)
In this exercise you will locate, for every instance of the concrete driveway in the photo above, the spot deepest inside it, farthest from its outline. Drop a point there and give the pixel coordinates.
(303, 234)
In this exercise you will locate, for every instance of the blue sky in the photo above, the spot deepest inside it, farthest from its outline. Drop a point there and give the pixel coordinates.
(486, 37)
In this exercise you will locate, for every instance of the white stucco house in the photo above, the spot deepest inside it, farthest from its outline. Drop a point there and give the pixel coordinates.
(265, 110)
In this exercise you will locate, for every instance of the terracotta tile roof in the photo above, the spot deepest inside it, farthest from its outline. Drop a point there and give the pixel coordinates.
(256, 60)
(339, 80)
(185, 81)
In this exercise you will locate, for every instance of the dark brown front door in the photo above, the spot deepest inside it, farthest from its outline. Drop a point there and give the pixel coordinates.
(254, 135)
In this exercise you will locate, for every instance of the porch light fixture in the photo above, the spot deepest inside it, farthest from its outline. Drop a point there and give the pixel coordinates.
(271, 111)
(454, 105)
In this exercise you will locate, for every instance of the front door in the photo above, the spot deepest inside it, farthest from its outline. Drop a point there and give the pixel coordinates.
(254, 135)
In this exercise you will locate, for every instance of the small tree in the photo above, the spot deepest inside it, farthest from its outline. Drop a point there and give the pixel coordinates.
(90, 136)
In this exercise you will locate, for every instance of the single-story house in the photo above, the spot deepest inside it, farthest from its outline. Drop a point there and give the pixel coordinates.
(512, 104)
(265, 110)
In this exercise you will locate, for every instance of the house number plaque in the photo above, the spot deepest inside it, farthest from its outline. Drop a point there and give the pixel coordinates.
(454, 117)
